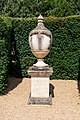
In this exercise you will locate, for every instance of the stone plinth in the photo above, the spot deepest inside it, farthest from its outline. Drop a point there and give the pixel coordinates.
(40, 71)
(39, 100)
(40, 85)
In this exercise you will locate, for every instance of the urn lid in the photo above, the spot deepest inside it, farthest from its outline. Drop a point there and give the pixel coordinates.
(41, 29)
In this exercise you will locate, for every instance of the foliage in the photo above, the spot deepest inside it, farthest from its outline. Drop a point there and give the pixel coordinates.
(65, 51)
(24, 58)
(64, 8)
(64, 55)
(4, 54)
(30, 8)
(3, 66)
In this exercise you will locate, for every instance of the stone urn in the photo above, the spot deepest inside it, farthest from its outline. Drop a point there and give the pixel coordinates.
(40, 40)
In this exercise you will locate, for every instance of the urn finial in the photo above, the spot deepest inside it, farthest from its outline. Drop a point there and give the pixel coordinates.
(40, 19)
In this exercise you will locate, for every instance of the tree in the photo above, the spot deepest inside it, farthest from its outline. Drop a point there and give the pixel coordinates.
(64, 8)
(29, 8)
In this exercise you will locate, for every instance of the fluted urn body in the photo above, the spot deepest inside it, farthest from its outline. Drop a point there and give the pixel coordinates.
(40, 40)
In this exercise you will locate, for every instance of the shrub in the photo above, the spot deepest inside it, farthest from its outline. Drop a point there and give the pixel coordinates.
(23, 56)
(30, 8)
(4, 54)
(3, 66)
(65, 51)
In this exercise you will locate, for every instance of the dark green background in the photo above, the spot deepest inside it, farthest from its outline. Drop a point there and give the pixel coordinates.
(5, 46)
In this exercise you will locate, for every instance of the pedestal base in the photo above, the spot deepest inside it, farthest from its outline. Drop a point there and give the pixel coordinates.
(40, 85)
(39, 100)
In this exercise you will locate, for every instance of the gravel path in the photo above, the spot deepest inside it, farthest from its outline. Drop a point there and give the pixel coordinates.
(66, 102)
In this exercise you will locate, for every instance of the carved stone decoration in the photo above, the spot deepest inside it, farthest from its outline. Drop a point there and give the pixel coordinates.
(40, 40)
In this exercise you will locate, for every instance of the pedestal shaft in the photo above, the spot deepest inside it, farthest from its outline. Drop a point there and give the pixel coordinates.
(39, 87)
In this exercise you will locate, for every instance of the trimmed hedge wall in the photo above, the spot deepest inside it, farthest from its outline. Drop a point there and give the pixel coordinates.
(65, 53)
(4, 54)
(23, 55)
(64, 56)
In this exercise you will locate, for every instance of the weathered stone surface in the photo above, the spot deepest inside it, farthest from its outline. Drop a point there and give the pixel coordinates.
(40, 72)
(39, 100)
(40, 39)
(39, 87)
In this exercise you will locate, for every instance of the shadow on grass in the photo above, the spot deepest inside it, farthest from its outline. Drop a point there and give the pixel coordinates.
(13, 83)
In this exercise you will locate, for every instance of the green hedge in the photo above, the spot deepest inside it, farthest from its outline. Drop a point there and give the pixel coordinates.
(64, 55)
(65, 52)
(4, 54)
(24, 58)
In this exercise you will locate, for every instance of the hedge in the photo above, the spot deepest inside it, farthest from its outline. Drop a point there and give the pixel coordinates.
(64, 56)
(65, 52)
(4, 54)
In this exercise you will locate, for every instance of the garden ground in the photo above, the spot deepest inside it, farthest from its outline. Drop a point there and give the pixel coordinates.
(65, 103)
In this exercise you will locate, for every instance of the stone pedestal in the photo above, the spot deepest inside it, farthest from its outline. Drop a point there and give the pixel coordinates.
(40, 85)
